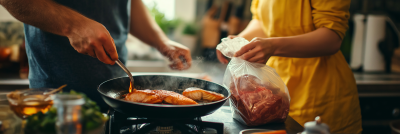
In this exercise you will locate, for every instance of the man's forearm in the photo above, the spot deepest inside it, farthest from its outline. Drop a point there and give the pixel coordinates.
(321, 42)
(144, 27)
(45, 14)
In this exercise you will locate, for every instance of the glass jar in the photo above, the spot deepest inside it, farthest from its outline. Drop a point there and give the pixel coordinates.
(68, 113)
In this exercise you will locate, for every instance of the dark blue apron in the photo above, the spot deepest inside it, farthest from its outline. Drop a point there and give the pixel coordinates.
(54, 62)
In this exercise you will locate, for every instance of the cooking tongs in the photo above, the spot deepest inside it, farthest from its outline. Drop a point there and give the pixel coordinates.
(126, 70)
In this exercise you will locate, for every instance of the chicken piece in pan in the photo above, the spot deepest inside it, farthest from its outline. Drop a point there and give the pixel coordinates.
(202, 95)
(159, 96)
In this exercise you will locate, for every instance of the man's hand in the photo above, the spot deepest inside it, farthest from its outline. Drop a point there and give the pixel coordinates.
(144, 27)
(178, 54)
(93, 39)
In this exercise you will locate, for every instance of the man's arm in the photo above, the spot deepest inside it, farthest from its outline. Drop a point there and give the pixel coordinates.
(85, 35)
(146, 29)
(45, 14)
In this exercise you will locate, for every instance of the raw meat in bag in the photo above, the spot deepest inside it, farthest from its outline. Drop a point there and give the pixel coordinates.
(259, 95)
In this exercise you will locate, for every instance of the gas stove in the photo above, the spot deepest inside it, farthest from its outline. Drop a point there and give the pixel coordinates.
(122, 124)
(220, 122)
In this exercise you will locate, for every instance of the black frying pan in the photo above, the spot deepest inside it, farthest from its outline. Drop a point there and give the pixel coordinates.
(113, 89)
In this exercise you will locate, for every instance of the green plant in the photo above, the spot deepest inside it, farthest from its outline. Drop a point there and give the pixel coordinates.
(165, 24)
(190, 29)
(11, 33)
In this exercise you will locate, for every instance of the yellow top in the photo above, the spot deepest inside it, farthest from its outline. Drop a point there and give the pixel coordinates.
(319, 86)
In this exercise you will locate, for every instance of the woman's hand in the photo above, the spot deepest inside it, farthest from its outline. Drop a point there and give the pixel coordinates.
(178, 54)
(258, 50)
(220, 56)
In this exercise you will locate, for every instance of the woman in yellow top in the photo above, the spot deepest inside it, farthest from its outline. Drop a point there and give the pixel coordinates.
(301, 40)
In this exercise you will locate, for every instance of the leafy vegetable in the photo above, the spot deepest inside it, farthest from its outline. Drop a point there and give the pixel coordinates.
(45, 122)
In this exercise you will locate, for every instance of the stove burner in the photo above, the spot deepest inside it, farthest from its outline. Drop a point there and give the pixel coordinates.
(164, 130)
(122, 124)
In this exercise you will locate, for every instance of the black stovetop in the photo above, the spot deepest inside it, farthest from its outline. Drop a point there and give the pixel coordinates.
(220, 120)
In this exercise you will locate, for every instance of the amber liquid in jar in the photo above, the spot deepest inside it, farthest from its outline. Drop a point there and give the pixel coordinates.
(30, 105)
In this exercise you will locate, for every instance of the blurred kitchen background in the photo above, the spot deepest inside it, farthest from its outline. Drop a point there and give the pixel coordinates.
(371, 47)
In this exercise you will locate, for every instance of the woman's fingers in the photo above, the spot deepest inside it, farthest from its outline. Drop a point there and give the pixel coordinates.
(252, 53)
(261, 61)
(246, 49)
(221, 58)
(258, 50)
(257, 57)
(232, 36)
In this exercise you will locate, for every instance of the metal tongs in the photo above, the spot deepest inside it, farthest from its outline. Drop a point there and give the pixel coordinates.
(126, 70)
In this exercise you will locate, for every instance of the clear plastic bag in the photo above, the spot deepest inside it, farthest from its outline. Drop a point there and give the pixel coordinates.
(259, 95)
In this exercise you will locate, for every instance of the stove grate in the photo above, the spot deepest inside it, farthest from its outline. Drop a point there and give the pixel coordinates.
(121, 124)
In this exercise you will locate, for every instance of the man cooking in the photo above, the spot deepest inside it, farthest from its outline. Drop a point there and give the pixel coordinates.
(77, 42)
